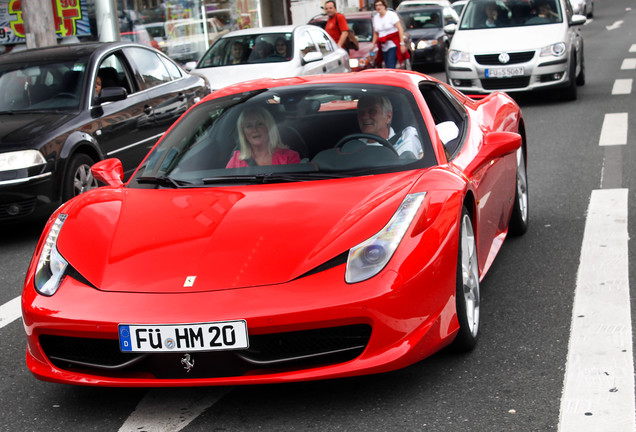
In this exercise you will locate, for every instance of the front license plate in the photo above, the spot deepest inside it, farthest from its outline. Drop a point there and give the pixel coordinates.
(225, 335)
(504, 72)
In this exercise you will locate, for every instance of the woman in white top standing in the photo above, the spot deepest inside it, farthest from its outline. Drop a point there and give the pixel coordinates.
(388, 35)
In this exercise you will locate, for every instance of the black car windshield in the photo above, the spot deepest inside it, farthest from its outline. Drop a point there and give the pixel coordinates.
(481, 14)
(416, 19)
(252, 48)
(285, 134)
(42, 86)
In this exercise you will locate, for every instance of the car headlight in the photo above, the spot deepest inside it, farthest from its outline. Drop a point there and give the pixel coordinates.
(51, 265)
(455, 56)
(556, 50)
(423, 43)
(369, 257)
(20, 160)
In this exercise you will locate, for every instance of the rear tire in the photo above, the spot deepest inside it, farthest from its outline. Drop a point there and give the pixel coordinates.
(519, 218)
(468, 295)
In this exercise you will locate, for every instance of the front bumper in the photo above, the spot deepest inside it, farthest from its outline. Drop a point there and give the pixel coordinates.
(538, 73)
(314, 327)
(27, 197)
(430, 55)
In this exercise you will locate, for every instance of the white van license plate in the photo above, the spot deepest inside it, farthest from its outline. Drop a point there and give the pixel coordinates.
(505, 72)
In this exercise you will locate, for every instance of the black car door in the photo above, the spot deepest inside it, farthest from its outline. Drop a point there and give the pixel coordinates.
(165, 85)
(121, 132)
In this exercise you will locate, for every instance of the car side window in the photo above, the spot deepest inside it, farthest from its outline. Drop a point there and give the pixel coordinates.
(113, 73)
(449, 117)
(151, 70)
(306, 43)
(322, 41)
(173, 69)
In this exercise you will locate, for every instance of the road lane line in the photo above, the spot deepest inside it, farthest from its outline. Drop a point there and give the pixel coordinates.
(632, 48)
(10, 311)
(614, 129)
(170, 410)
(628, 64)
(598, 390)
(622, 86)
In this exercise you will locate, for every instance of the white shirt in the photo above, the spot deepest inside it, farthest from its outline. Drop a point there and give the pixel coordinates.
(386, 25)
(408, 142)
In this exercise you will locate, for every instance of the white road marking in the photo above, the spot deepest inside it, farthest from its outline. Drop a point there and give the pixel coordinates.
(628, 64)
(632, 48)
(622, 86)
(598, 393)
(170, 410)
(615, 25)
(10, 311)
(614, 130)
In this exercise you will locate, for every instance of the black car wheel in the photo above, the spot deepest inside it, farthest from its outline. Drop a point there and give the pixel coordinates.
(78, 178)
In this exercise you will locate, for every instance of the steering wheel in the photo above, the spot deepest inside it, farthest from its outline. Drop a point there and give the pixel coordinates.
(361, 136)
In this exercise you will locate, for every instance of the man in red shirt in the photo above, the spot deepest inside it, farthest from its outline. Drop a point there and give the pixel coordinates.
(337, 26)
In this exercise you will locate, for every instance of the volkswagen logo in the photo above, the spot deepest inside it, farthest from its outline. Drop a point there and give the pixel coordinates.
(504, 58)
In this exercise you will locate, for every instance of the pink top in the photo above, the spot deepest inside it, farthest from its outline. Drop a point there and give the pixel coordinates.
(280, 157)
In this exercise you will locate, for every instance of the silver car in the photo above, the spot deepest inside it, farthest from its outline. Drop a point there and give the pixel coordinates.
(271, 52)
(517, 45)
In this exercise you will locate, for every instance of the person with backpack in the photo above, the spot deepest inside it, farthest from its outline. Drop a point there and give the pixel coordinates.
(337, 25)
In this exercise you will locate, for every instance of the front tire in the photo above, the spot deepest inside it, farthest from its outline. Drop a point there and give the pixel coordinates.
(78, 178)
(468, 295)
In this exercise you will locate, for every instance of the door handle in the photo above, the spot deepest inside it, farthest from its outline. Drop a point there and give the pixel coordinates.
(147, 109)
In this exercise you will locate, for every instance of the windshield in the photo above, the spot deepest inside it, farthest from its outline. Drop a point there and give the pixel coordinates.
(480, 14)
(254, 48)
(42, 86)
(422, 18)
(291, 134)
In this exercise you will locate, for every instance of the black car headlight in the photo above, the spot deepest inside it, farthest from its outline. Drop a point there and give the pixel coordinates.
(369, 257)
(51, 265)
(23, 159)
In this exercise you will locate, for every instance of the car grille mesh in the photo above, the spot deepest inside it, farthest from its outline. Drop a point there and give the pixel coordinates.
(505, 83)
(515, 58)
(267, 354)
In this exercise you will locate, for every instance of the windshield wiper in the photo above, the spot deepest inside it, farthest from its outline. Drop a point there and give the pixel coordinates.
(272, 178)
(163, 181)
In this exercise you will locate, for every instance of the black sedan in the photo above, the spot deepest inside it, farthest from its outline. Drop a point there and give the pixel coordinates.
(429, 41)
(56, 120)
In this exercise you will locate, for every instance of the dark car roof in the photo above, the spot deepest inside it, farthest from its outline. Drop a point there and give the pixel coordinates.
(60, 52)
(421, 8)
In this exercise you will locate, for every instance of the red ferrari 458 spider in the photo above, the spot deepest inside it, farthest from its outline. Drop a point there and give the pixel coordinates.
(283, 230)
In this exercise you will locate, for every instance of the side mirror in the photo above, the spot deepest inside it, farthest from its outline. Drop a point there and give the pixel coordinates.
(578, 20)
(450, 28)
(312, 57)
(189, 66)
(109, 171)
(495, 145)
(111, 94)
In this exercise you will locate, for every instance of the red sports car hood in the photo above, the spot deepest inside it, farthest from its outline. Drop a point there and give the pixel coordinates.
(141, 240)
